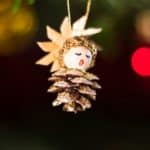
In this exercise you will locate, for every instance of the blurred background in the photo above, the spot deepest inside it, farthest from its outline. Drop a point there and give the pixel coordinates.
(118, 120)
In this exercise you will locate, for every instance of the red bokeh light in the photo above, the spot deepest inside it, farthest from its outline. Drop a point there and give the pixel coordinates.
(141, 61)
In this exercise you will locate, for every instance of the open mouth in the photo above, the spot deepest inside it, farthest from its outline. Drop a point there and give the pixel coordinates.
(81, 62)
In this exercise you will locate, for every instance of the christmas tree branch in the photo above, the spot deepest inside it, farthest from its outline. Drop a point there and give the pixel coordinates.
(30, 2)
(17, 4)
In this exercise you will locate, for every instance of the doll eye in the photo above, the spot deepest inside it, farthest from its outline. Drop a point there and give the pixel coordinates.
(78, 54)
(88, 56)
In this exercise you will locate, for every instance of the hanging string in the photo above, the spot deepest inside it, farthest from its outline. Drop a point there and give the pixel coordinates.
(88, 8)
(69, 12)
(89, 2)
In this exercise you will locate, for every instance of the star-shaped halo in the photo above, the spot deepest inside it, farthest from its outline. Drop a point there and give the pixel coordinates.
(57, 40)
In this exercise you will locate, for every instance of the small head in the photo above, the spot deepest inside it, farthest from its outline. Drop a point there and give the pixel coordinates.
(79, 53)
(78, 58)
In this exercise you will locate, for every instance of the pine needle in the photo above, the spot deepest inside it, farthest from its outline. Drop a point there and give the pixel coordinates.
(16, 6)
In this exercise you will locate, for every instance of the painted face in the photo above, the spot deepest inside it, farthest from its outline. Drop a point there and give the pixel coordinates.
(78, 58)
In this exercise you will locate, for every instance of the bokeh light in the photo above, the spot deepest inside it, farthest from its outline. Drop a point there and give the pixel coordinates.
(141, 61)
(5, 5)
(17, 30)
(143, 25)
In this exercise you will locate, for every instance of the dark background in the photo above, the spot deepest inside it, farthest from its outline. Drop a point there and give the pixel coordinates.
(118, 120)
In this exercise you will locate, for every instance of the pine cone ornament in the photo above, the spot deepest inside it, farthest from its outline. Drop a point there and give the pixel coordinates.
(75, 89)
(71, 54)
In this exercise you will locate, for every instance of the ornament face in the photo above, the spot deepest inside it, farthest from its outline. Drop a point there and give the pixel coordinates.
(78, 58)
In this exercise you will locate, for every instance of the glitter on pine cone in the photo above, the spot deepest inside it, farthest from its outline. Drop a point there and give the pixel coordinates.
(76, 89)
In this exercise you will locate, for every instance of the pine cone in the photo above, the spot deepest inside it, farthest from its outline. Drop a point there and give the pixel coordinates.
(75, 89)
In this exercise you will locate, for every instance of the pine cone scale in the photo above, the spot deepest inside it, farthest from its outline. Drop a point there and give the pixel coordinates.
(75, 89)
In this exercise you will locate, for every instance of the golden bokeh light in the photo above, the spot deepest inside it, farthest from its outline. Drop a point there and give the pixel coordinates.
(23, 22)
(5, 5)
(17, 30)
(143, 25)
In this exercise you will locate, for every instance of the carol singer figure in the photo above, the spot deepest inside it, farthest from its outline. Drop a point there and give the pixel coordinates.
(71, 54)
